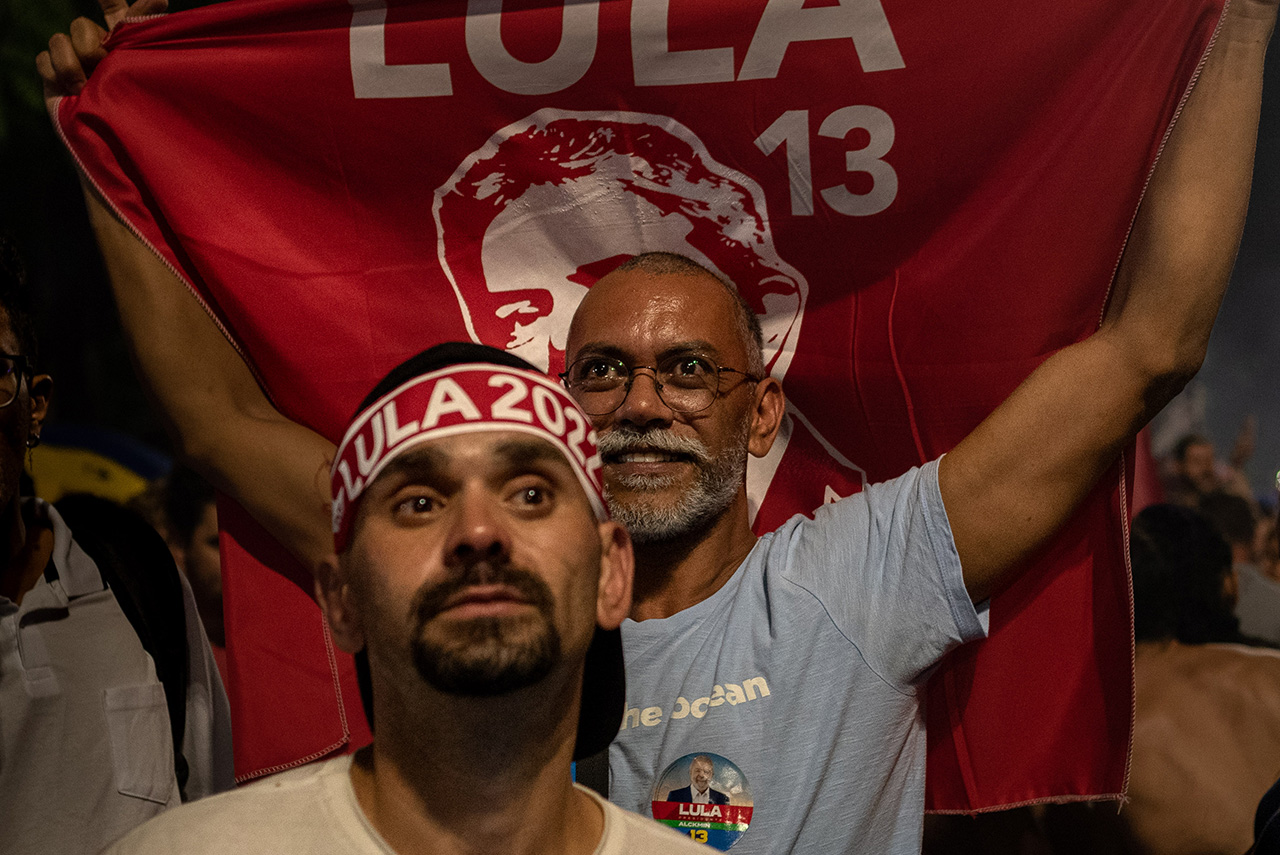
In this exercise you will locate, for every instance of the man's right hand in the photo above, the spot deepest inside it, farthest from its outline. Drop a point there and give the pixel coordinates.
(70, 59)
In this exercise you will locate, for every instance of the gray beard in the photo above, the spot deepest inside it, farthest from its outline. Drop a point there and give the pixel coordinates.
(711, 494)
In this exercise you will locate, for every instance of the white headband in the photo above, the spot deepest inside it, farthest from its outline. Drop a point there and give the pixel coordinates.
(454, 400)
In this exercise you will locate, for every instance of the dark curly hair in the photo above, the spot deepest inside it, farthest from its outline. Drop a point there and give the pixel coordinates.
(1180, 568)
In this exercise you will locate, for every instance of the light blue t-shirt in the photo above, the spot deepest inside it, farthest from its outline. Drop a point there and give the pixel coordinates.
(801, 681)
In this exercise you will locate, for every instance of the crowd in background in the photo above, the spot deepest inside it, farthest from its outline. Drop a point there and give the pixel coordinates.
(1206, 595)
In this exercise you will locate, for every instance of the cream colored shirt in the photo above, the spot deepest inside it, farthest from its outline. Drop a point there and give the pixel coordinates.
(313, 810)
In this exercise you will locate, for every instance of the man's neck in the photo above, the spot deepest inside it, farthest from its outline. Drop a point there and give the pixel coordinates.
(472, 778)
(672, 575)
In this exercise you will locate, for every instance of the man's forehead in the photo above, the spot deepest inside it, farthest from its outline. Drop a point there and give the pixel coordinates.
(487, 449)
(624, 297)
(641, 279)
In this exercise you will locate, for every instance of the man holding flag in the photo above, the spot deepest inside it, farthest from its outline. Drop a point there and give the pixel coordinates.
(1001, 503)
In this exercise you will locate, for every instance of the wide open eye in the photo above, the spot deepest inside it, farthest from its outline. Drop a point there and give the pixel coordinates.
(417, 505)
(532, 494)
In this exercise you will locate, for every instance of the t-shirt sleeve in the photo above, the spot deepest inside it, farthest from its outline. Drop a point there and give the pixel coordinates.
(884, 565)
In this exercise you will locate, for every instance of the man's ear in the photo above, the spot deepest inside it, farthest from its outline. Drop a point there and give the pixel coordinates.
(39, 389)
(617, 573)
(333, 593)
(766, 417)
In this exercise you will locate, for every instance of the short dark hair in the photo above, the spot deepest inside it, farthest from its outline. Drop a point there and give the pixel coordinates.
(440, 356)
(1231, 515)
(674, 264)
(1180, 565)
(1184, 444)
(15, 299)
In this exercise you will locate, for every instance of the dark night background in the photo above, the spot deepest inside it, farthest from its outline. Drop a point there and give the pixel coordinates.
(40, 207)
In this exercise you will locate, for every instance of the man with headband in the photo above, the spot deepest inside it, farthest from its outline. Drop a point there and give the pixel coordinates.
(478, 575)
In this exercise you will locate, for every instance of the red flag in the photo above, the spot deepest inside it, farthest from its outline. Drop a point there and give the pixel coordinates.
(922, 201)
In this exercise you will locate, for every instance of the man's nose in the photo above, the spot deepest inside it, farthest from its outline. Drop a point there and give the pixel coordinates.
(643, 405)
(478, 531)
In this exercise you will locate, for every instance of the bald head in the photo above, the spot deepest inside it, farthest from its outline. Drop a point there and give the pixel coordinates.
(745, 321)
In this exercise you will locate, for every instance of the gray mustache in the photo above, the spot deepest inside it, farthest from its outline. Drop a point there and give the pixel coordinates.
(626, 439)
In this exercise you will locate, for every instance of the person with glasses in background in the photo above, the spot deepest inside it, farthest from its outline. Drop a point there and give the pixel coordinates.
(88, 743)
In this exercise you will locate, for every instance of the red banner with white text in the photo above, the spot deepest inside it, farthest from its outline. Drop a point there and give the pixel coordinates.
(920, 200)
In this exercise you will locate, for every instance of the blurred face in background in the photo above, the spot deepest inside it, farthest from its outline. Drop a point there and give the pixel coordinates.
(1198, 467)
(203, 561)
(21, 418)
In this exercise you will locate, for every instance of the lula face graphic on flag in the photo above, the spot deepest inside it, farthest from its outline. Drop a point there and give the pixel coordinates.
(551, 203)
(911, 197)
(562, 198)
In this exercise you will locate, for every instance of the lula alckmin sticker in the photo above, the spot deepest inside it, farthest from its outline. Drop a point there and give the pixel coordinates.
(706, 797)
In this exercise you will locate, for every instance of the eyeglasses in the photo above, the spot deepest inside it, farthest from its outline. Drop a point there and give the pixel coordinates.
(13, 368)
(686, 384)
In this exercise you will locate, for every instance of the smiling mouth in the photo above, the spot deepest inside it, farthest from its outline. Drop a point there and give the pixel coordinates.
(624, 457)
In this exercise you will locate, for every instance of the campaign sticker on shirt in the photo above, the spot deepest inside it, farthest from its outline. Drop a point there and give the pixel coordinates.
(706, 797)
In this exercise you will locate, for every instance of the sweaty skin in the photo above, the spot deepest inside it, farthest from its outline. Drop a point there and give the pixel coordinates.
(1208, 718)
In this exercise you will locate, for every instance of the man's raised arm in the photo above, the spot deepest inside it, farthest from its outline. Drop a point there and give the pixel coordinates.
(1021, 473)
(211, 404)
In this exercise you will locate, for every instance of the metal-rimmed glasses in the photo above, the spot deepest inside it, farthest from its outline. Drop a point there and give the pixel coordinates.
(684, 382)
(13, 367)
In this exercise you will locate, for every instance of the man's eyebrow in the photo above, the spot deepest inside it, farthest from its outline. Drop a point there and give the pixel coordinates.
(422, 465)
(691, 346)
(429, 466)
(521, 453)
(600, 348)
